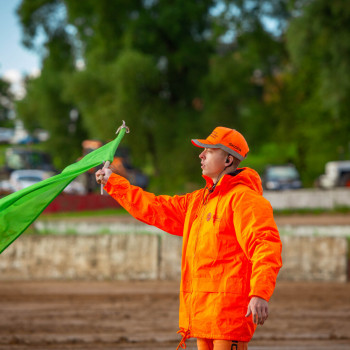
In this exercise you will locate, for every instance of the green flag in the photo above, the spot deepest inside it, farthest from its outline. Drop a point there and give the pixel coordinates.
(18, 210)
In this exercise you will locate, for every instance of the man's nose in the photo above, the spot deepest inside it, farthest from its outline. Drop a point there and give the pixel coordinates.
(201, 156)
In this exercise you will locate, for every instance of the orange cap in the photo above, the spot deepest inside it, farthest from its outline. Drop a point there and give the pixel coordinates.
(229, 140)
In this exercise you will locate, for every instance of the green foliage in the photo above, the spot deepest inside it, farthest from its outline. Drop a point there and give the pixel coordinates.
(312, 211)
(6, 100)
(45, 107)
(317, 87)
(276, 70)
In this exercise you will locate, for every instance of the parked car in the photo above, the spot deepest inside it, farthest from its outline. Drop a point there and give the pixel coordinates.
(76, 187)
(121, 165)
(337, 174)
(20, 179)
(6, 135)
(281, 177)
(5, 188)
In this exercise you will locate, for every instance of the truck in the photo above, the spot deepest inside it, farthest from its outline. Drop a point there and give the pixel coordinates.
(17, 160)
(337, 174)
(121, 165)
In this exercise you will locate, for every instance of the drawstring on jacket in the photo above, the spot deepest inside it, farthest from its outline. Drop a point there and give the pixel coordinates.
(185, 336)
(215, 216)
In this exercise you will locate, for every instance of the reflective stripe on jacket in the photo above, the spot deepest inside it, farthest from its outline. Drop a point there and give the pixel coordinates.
(231, 249)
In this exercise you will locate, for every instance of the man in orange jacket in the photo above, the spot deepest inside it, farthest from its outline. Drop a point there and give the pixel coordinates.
(231, 251)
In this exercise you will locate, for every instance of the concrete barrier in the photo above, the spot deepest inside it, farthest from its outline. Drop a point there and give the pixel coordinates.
(100, 257)
(150, 256)
(304, 258)
(309, 198)
(314, 259)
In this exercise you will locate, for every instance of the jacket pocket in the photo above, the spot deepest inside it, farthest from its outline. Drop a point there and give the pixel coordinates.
(229, 284)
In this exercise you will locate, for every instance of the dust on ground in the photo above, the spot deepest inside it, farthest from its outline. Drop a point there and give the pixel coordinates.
(62, 315)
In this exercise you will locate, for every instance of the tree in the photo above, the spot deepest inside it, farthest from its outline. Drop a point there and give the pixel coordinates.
(143, 62)
(45, 107)
(6, 103)
(175, 70)
(244, 67)
(148, 62)
(317, 83)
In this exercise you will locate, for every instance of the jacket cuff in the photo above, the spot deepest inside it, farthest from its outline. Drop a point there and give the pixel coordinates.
(116, 183)
(258, 296)
(265, 293)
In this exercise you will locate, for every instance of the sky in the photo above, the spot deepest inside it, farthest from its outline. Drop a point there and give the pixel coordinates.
(15, 59)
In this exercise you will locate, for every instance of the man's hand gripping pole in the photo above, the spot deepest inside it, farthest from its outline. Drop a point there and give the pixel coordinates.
(107, 163)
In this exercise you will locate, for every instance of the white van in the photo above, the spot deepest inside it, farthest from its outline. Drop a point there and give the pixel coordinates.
(337, 174)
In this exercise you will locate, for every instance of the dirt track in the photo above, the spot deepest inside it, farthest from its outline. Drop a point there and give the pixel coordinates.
(326, 219)
(143, 315)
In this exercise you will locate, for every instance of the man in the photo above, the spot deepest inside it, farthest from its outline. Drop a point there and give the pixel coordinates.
(231, 251)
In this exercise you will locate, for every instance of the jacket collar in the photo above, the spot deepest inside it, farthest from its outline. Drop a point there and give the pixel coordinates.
(242, 176)
(224, 180)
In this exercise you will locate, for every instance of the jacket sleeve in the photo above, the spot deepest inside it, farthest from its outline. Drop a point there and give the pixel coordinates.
(165, 212)
(258, 236)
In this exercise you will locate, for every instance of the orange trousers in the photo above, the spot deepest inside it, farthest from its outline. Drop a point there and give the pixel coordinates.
(212, 344)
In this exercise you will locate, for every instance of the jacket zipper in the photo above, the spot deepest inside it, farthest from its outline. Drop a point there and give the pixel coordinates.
(203, 205)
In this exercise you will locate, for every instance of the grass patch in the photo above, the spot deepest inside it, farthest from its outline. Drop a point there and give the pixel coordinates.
(2, 154)
(31, 230)
(312, 211)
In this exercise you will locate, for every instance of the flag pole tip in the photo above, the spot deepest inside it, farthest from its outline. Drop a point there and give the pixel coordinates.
(123, 126)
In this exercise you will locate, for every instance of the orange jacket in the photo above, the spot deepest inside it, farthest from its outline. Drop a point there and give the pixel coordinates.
(231, 249)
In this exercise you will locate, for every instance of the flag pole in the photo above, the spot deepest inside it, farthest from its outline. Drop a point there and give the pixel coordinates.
(107, 163)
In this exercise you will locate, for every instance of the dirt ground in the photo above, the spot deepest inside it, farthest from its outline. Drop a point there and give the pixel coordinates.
(82, 315)
(96, 315)
(325, 219)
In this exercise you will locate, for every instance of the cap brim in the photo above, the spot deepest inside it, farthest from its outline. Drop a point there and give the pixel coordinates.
(202, 143)
(206, 144)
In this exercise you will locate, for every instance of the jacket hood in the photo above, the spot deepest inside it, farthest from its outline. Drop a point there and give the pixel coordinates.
(241, 176)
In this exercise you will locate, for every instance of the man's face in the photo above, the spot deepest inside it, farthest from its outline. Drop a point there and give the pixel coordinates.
(213, 162)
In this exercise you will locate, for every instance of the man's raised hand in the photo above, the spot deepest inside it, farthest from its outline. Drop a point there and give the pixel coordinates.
(103, 175)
